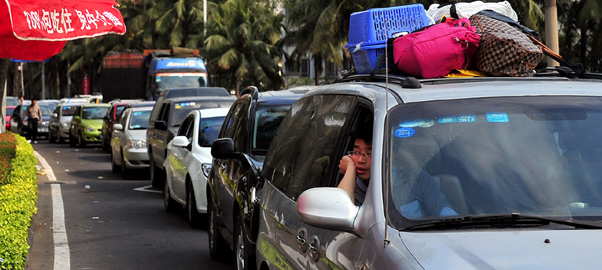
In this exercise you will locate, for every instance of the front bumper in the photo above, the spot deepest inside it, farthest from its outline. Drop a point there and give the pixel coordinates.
(136, 158)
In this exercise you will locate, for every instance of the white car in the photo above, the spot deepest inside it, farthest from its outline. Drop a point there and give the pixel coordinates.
(188, 163)
(128, 141)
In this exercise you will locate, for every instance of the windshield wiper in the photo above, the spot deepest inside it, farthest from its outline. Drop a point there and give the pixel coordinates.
(504, 220)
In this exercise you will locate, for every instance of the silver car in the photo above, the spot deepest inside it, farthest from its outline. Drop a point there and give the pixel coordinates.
(128, 141)
(60, 119)
(478, 173)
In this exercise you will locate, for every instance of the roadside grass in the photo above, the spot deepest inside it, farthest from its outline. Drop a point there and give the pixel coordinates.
(18, 195)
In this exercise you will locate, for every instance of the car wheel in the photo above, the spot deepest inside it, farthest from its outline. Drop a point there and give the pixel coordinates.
(218, 248)
(51, 139)
(125, 172)
(80, 140)
(243, 250)
(170, 204)
(71, 140)
(195, 219)
(114, 167)
(156, 176)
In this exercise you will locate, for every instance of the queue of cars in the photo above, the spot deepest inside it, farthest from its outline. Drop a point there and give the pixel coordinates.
(453, 165)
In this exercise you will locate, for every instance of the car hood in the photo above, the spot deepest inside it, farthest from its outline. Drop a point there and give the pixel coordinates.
(95, 123)
(137, 134)
(511, 249)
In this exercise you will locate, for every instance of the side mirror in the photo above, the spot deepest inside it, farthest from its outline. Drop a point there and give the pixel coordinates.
(54, 115)
(328, 208)
(160, 125)
(180, 141)
(223, 148)
(118, 127)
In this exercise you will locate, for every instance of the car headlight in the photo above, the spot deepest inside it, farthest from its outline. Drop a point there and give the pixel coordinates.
(90, 129)
(44, 123)
(65, 124)
(206, 168)
(136, 144)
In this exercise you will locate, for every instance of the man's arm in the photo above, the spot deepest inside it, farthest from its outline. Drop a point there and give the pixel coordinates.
(347, 168)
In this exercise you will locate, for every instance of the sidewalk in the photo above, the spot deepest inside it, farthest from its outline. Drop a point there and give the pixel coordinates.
(40, 240)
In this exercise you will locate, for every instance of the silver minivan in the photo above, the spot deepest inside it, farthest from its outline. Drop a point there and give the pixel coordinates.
(477, 173)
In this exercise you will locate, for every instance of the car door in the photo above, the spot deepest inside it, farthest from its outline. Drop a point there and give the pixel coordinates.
(230, 170)
(75, 121)
(296, 162)
(179, 157)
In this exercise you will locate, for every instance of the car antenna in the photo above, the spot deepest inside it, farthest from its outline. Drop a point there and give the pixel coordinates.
(386, 241)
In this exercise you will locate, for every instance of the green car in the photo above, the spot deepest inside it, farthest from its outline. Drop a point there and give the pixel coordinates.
(86, 124)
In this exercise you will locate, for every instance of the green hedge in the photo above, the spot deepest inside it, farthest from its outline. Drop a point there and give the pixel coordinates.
(18, 195)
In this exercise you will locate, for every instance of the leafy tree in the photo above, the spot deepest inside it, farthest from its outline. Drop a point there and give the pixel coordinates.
(243, 44)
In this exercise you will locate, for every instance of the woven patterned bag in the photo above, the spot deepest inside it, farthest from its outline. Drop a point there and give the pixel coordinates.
(504, 50)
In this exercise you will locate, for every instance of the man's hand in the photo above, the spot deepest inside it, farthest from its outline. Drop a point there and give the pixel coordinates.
(345, 164)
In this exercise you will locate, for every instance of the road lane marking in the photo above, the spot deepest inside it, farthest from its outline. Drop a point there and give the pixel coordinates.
(62, 259)
(148, 188)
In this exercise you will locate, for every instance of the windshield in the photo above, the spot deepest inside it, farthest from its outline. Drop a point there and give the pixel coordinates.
(139, 119)
(267, 121)
(180, 80)
(94, 112)
(181, 109)
(529, 155)
(68, 110)
(209, 129)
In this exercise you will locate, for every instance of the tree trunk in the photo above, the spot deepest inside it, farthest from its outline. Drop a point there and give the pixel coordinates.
(4, 64)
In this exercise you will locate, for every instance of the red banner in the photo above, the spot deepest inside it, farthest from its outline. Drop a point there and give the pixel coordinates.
(64, 20)
(38, 29)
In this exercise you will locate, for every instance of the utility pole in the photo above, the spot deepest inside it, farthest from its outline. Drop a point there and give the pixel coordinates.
(551, 23)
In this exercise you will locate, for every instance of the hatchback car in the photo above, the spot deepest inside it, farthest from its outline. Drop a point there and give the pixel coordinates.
(60, 121)
(86, 124)
(188, 163)
(465, 174)
(128, 141)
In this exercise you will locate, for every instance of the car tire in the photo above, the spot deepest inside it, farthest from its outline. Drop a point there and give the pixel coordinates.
(71, 140)
(125, 172)
(156, 175)
(244, 251)
(80, 140)
(195, 219)
(218, 248)
(114, 167)
(51, 138)
(168, 201)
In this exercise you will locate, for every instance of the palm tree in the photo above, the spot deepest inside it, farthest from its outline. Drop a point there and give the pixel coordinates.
(243, 40)
(177, 20)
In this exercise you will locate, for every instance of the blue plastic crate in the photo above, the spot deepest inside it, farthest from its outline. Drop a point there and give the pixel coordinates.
(369, 32)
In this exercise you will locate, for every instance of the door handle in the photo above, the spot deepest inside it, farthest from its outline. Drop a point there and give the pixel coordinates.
(301, 240)
(314, 248)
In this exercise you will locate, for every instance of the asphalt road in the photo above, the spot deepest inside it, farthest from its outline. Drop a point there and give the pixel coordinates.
(110, 223)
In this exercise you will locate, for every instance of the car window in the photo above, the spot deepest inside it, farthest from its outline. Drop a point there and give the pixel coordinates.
(118, 111)
(181, 109)
(266, 123)
(68, 110)
(164, 114)
(297, 161)
(9, 111)
(209, 129)
(232, 119)
(528, 155)
(183, 130)
(94, 112)
(139, 119)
